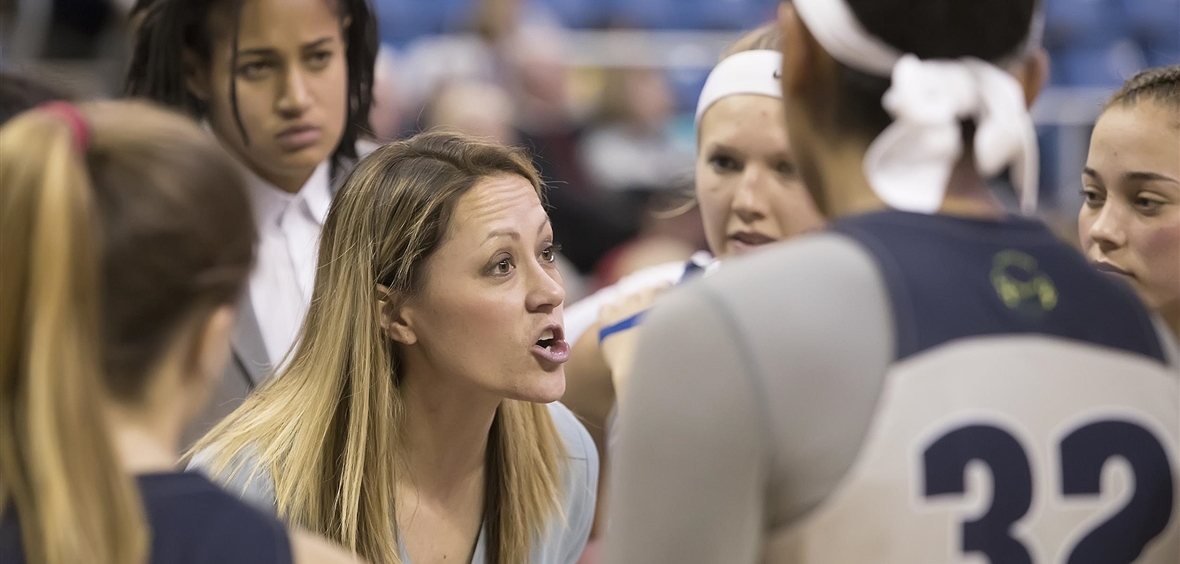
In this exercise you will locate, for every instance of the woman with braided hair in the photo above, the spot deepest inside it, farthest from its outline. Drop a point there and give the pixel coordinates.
(1130, 222)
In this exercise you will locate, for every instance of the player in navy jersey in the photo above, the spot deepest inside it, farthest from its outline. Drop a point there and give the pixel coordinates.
(931, 380)
(126, 238)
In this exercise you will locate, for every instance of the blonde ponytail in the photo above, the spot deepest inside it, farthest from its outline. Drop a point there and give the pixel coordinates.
(57, 465)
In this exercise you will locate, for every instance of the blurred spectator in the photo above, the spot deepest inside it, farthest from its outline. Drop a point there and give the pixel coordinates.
(386, 116)
(520, 50)
(475, 108)
(632, 147)
(669, 230)
(538, 79)
(485, 52)
(586, 222)
(78, 28)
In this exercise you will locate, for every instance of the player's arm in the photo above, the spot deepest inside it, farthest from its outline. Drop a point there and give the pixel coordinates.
(688, 476)
(590, 394)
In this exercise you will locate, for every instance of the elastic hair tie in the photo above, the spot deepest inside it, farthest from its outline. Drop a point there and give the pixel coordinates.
(70, 113)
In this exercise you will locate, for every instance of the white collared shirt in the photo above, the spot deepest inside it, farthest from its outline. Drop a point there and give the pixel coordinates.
(288, 242)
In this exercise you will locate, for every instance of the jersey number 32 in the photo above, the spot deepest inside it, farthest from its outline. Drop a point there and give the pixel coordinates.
(1081, 455)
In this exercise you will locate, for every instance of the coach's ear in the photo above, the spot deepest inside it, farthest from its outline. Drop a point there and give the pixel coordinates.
(394, 317)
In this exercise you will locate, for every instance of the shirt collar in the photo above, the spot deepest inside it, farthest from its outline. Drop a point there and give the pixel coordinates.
(318, 192)
(271, 202)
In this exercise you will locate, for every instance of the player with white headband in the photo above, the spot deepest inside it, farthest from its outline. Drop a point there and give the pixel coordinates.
(749, 195)
(928, 381)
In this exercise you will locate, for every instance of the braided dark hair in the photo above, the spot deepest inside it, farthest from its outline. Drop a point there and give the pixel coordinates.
(1159, 84)
(165, 28)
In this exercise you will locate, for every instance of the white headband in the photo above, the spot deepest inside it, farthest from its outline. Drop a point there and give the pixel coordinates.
(747, 72)
(910, 163)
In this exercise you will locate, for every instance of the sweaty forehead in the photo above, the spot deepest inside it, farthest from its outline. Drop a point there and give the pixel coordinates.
(275, 24)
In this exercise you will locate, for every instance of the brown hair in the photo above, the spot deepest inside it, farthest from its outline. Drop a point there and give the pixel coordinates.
(328, 427)
(1159, 84)
(109, 250)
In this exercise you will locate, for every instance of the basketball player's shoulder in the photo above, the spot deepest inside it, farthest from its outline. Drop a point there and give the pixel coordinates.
(793, 277)
(825, 253)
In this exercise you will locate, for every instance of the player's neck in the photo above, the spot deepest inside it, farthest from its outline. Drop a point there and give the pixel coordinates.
(146, 437)
(968, 194)
(847, 191)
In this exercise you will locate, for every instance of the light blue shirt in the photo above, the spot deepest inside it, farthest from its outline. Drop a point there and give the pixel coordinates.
(564, 538)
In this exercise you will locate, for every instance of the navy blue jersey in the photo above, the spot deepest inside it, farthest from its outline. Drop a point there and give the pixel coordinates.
(192, 521)
(953, 278)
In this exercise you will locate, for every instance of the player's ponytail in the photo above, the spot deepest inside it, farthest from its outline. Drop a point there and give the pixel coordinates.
(58, 468)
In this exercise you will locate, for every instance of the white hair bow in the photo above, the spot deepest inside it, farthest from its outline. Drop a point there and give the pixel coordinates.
(910, 163)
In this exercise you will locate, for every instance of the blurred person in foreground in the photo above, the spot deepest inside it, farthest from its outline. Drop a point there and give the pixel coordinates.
(126, 237)
(1129, 224)
(749, 195)
(845, 397)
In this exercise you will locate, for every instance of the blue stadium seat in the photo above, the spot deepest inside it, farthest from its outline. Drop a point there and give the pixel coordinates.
(402, 21)
(730, 14)
(1083, 23)
(1154, 23)
(456, 14)
(647, 14)
(1162, 58)
(1107, 65)
(579, 14)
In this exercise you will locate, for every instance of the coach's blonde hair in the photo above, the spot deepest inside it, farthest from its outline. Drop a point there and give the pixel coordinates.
(327, 428)
(109, 251)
